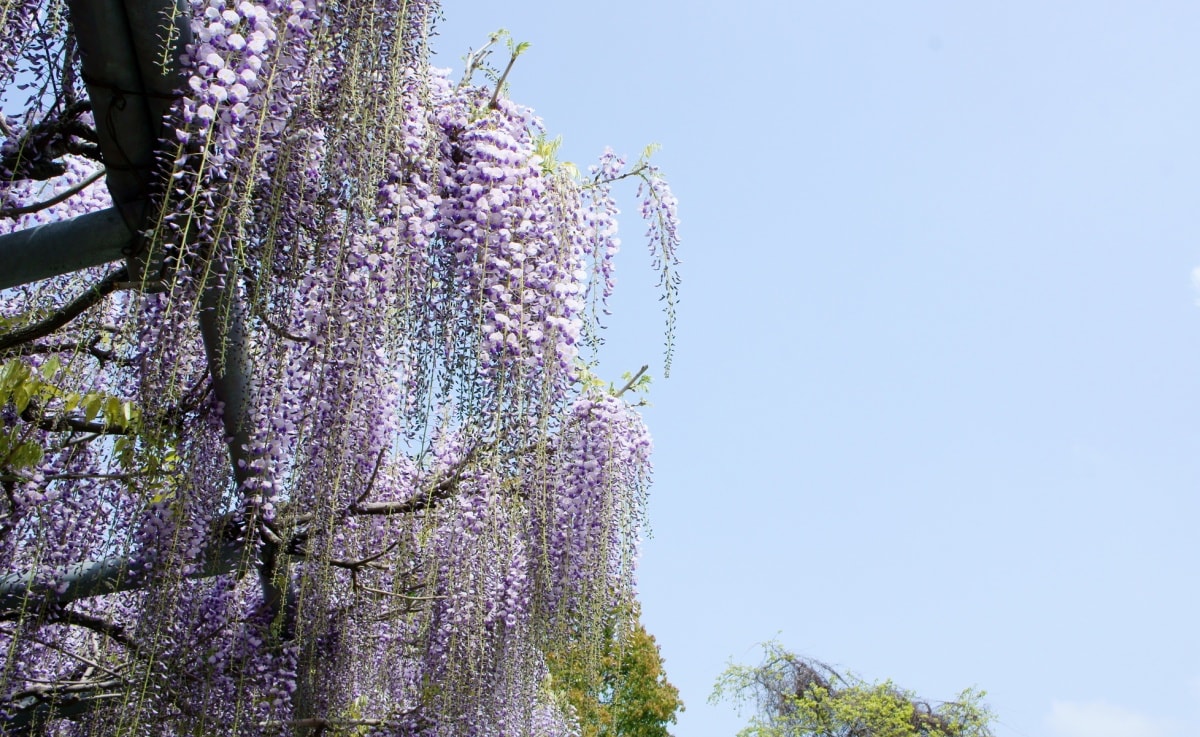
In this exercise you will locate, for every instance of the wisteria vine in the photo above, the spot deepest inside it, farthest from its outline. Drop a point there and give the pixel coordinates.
(319, 457)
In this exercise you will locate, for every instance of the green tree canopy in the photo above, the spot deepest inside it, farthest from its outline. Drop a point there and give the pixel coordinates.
(621, 691)
(795, 696)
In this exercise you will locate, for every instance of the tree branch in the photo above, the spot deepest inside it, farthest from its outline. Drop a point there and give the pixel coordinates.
(632, 381)
(35, 157)
(320, 724)
(60, 197)
(32, 708)
(440, 492)
(67, 423)
(71, 654)
(74, 477)
(69, 312)
(90, 348)
(102, 626)
(19, 592)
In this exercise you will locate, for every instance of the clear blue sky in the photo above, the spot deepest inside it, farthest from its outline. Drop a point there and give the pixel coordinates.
(935, 413)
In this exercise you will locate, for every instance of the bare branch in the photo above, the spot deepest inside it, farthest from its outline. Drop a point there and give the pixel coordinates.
(420, 503)
(72, 654)
(320, 724)
(495, 101)
(632, 381)
(69, 423)
(35, 706)
(36, 154)
(60, 197)
(410, 602)
(90, 348)
(371, 483)
(69, 312)
(440, 491)
(75, 477)
(355, 565)
(80, 619)
(58, 689)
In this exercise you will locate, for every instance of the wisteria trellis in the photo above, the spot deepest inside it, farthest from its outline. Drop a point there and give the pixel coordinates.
(319, 457)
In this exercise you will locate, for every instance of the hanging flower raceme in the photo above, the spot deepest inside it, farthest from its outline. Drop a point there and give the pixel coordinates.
(588, 508)
(245, 67)
(17, 18)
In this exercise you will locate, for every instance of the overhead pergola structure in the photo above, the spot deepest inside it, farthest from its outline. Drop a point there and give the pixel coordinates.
(131, 68)
(130, 52)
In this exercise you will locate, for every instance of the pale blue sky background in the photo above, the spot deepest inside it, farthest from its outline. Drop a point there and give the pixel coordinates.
(935, 413)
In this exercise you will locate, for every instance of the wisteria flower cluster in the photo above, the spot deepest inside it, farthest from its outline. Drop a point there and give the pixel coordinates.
(591, 507)
(245, 64)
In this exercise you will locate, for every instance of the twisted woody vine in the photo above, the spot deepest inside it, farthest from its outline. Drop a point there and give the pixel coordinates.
(297, 434)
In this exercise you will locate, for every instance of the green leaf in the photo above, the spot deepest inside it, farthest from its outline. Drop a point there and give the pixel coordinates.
(547, 150)
(15, 373)
(25, 455)
(20, 397)
(112, 411)
(50, 368)
(92, 404)
(570, 170)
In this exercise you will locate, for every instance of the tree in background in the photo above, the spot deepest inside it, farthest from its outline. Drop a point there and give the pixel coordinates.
(800, 697)
(294, 435)
(629, 694)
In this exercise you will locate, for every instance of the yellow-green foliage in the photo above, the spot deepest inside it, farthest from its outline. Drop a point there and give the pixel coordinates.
(798, 697)
(26, 389)
(621, 691)
(37, 391)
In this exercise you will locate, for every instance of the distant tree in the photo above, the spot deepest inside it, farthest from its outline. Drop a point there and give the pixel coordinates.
(625, 694)
(795, 696)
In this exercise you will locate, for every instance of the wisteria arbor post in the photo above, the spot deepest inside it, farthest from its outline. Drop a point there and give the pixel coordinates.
(293, 432)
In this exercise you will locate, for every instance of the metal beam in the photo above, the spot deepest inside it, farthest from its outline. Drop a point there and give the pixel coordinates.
(222, 326)
(130, 51)
(62, 247)
(127, 135)
(160, 52)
